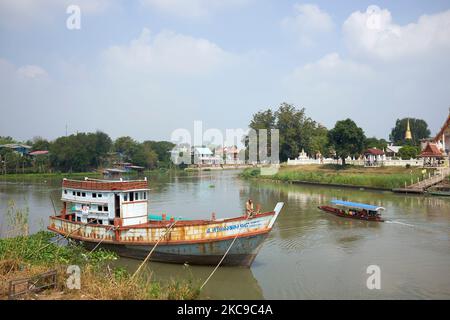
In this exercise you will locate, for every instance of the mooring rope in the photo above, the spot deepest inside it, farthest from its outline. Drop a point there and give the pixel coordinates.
(104, 237)
(64, 237)
(221, 260)
(151, 251)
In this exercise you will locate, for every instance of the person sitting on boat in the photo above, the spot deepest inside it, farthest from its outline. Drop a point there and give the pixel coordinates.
(249, 208)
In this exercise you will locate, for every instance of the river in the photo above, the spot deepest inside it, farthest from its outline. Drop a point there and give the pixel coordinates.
(309, 254)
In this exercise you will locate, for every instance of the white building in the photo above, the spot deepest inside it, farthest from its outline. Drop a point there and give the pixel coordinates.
(204, 156)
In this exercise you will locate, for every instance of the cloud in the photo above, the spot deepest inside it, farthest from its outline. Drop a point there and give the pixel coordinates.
(31, 72)
(192, 8)
(308, 21)
(14, 13)
(374, 34)
(372, 94)
(10, 72)
(170, 52)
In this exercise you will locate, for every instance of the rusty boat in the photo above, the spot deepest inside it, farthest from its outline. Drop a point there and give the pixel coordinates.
(114, 215)
(354, 210)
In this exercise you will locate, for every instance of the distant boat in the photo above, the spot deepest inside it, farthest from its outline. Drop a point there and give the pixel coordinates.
(114, 215)
(354, 210)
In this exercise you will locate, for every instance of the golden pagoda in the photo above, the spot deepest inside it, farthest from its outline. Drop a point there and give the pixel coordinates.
(408, 135)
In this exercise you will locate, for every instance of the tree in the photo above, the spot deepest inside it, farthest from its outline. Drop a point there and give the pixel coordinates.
(296, 131)
(6, 140)
(39, 143)
(162, 149)
(144, 156)
(409, 152)
(419, 130)
(319, 141)
(262, 120)
(347, 139)
(79, 152)
(126, 146)
(375, 143)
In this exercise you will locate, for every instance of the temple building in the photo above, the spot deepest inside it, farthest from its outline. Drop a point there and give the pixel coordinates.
(435, 152)
(442, 139)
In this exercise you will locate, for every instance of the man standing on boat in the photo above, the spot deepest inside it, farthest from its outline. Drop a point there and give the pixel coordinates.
(249, 208)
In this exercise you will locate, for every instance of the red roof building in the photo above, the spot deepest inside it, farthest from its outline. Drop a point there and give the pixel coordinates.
(374, 151)
(432, 156)
(373, 157)
(38, 152)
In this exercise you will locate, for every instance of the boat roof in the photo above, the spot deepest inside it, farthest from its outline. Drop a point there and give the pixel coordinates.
(106, 185)
(356, 205)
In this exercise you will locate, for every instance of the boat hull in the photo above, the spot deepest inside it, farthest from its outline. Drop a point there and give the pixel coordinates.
(340, 213)
(439, 193)
(205, 242)
(242, 253)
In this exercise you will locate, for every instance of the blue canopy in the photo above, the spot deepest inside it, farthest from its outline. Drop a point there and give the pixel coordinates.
(356, 205)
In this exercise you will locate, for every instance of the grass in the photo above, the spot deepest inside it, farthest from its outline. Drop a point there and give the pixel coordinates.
(357, 176)
(23, 256)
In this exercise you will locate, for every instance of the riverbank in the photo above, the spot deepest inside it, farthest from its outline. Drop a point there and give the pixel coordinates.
(382, 178)
(37, 177)
(29, 256)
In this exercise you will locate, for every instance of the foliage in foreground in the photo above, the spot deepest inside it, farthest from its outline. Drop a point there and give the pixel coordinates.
(25, 256)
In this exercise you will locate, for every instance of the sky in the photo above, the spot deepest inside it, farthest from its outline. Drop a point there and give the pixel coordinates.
(146, 68)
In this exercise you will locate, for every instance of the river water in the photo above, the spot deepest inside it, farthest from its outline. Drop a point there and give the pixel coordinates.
(309, 254)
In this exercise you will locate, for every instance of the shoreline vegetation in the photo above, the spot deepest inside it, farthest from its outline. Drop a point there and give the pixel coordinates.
(24, 256)
(79, 175)
(382, 178)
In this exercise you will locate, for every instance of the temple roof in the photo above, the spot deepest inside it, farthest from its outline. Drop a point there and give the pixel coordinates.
(444, 127)
(431, 150)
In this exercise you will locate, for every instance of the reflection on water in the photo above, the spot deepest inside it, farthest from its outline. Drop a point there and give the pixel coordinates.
(309, 253)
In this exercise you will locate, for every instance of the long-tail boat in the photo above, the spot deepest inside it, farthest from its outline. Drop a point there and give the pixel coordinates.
(114, 215)
(439, 191)
(354, 210)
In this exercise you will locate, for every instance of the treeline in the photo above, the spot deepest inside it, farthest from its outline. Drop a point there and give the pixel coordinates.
(298, 132)
(84, 152)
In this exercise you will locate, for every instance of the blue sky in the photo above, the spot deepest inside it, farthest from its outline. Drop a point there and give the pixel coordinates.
(145, 68)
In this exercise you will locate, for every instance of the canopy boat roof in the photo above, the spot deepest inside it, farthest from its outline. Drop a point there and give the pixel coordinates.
(356, 205)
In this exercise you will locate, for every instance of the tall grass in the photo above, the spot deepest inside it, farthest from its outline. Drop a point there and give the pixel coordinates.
(370, 178)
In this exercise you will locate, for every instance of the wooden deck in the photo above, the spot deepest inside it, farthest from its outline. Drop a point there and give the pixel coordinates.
(423, 185)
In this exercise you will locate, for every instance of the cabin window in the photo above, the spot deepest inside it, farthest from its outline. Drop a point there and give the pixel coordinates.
(78, 193)
(105, 208)
(145, 195)
(79, 219)
(73, 192)
(131, 196)
(65, 191)
(136, 196)
(83, 194)
(100, 195)
(94, 195)
(100, 221)
(100, 208)
(125, 197)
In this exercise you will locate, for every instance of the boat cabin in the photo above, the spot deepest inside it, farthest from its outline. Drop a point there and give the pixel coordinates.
(106, 201)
